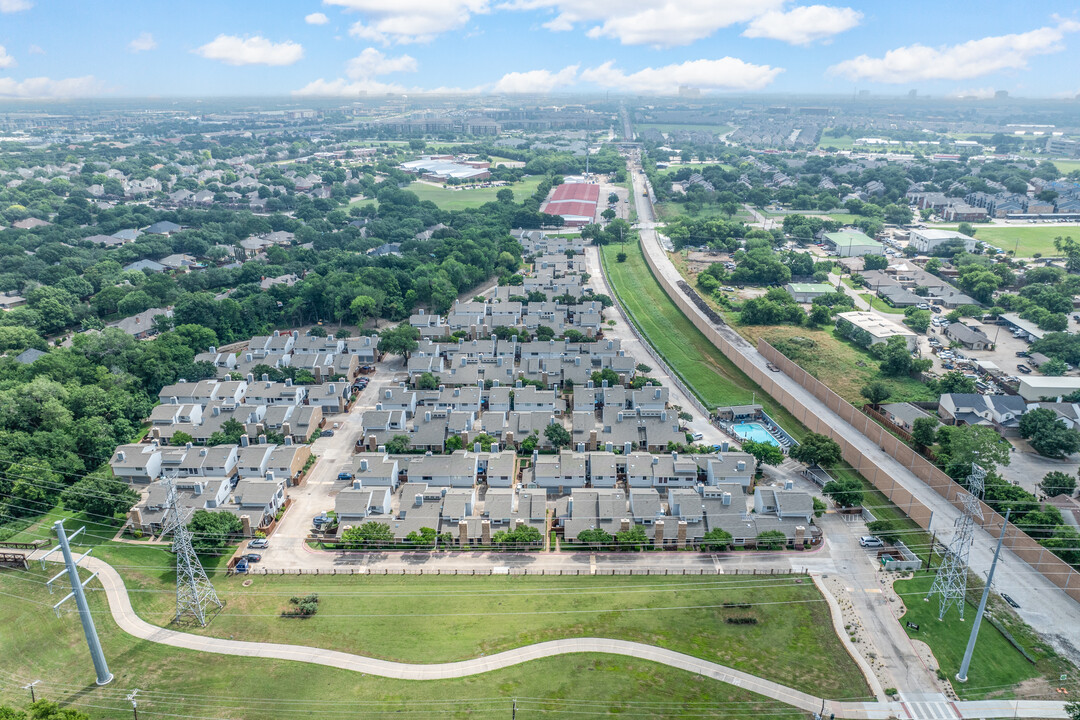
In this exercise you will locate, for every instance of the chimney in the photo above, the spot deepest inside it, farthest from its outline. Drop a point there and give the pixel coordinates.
(251, 377)
(270, 476)
(741, 465)
(245, 526)
(120, 456)
(485, 532)
(286, 429)
(655, 461)
(726, 498)
(789, 484)
(624, 525)
(418, 499)
(357, 484)
(135, 516)
(627, 448)
(581, 447)
(463, 532)
(248, 357)
(476, 448)
(213, 349)
(217, 410)
(675, 456)
(427, 416)
(265, 377)
(288, 441)
(262, 439)
(680, 541)
(800, 535)
(244, 441)
(388, 394)
(658, 533)
(288, 382)
(495, 447)
(187, 445)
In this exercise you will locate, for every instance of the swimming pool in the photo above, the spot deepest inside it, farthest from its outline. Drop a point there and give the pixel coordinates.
(754, 431)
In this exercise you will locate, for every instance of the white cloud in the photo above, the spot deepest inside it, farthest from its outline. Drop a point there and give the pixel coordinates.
(316, 19)
(972, 59)
(11, 6)
(727, 73)
(345, 88)
(409, 21)
(43, 87)
(35, 50)
(6, 61)
(536, 81)
(803, 25)
(371, 62)
(664, 23)
(256, 50)
(143, 43)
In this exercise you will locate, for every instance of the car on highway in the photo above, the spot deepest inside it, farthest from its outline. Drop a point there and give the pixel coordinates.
(869, 541)
(1008, 599)
(259, 543)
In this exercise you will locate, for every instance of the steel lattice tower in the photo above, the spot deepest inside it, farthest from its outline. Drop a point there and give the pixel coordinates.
(951, 579)
(194, 593)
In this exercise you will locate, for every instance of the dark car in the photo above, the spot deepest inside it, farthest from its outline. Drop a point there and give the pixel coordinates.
(1024, 369)
(1023, 353)
(253, 557)
(1009, 600)
(935, 309)
(242, 565)
(326, 433)
(772, 367)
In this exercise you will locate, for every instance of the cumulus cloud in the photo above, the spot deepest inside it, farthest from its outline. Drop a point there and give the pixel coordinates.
(35, 50)
(371, 62)
(316, 18)
(409, 21)
(972, 59)
(803, 25)
(256, 50)
(727, 73)
(6, 60)
(11, 6)
(43, 87)
(347, 88)
(143, 43)
(663, 23)
(536, 81)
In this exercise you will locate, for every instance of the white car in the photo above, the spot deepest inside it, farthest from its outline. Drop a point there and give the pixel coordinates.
(869, 541)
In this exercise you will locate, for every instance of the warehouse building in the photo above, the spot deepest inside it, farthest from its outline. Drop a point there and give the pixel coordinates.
(852, 243)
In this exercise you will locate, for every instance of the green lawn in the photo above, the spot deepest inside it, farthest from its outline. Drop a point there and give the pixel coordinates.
(1025, 240)
(183, 683)
(997, 666)
(880, 305)
(676, 127)
(41, 528)
(673, 210)
(1066, 166)
(464, 198)
(446, 618)
(710, 375)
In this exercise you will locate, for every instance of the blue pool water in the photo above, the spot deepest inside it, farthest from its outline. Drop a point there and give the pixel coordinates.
(754, 431)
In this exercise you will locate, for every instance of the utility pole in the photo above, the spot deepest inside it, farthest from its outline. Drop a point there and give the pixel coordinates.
(962, 676)
(104, 677)
(30, 687)
(134, 704)
(513, 710)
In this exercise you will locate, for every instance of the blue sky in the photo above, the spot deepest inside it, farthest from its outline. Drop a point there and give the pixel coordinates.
(127, 48)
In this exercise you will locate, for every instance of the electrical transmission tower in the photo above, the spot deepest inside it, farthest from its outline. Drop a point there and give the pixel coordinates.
(951, 579)
(194, 593)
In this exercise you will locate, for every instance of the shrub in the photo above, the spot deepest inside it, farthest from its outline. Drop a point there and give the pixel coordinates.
(741, 620)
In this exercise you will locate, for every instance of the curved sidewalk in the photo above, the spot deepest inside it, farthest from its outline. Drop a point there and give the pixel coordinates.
(131, 623)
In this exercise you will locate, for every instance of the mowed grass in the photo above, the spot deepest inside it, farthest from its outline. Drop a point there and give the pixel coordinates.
(996, 666)
(181, 683)
(839, 363)
(1026, 241)
(711, 376)
(98, 530)
(463, 197)
(426, 619)
(674, 210)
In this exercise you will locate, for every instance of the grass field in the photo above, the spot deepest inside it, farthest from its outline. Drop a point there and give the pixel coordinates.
(673, 210)
(182, 683)
(839, 363)
(1025, 240)
(880, 305)
(1066, 166)
(465, 198)
(443, 619)
(997, 666)
(674, 127)
(708, 372)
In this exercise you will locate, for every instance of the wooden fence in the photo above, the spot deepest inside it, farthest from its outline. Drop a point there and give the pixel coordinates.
(1035, 555)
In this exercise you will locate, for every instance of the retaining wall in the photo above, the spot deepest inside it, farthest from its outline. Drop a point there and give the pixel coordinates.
(1039, 558)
